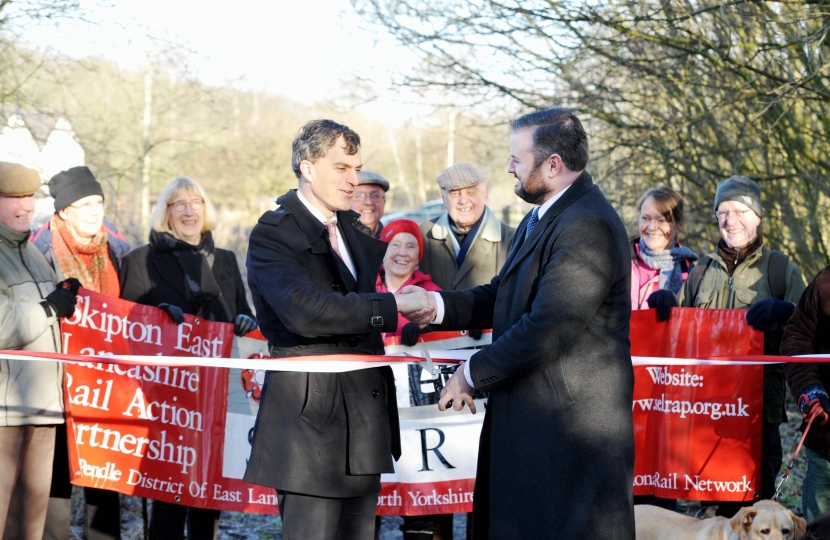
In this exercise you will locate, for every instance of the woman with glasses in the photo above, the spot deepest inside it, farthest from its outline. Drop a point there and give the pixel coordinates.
(81, 244)
(658, 261)
(181, 271)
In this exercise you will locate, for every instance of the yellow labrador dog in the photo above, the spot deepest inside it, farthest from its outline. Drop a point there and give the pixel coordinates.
(764, 520)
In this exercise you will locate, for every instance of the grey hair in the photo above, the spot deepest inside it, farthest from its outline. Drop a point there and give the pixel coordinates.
(316, 137)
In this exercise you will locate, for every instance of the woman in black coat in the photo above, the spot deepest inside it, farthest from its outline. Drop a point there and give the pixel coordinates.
(181, 271)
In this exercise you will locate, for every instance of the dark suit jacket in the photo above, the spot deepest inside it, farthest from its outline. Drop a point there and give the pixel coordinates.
(322, 434)
(151, 278)
(556, 457)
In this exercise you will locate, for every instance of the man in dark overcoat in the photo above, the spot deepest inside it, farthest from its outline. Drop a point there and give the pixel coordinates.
(322, 439)
(556, 456)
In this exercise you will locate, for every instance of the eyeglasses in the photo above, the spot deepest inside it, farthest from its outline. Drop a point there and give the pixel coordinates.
(179, 206)
(724, 214)
(90, 205)
(375, 197)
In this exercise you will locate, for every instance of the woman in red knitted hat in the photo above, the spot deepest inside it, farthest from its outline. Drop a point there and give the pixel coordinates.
(399, 269)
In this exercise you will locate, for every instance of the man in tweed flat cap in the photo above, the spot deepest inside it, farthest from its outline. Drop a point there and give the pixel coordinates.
(468, 245)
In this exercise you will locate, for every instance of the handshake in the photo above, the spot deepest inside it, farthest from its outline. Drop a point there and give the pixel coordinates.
(417, 305)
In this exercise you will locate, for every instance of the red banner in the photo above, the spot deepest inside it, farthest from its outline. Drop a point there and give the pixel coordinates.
(151, 431)
(182, 433)
(697, 428)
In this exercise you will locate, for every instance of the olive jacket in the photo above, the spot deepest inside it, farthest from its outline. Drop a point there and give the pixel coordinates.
(749, 284)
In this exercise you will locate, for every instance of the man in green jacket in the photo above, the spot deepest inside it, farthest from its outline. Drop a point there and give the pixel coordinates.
(744, 274)
(31, 401)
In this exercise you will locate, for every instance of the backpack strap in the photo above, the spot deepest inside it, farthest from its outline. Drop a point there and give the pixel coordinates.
(697, 274)
(777, 274)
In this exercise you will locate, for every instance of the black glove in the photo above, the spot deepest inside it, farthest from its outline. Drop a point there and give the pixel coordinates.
(61, 301)
(410, 334)
(243, 324)
(814, 398)
(475, 333)
(663, 300)
(768, 312)
(175, 312)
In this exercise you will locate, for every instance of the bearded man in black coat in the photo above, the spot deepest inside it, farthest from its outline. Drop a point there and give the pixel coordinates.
(322, 440)
(556, 455)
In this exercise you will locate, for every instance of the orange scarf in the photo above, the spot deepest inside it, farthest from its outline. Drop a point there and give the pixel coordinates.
(89, 263)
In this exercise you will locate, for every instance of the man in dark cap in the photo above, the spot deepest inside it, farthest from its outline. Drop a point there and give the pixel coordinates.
(369, 200)
(745, 274)
(79, 242)
(32, 300)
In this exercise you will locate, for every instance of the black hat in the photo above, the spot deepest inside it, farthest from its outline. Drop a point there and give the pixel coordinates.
(740, 189)
(73, 184)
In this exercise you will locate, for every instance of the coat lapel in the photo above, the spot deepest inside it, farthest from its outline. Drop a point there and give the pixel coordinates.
(367, 252)
(580, 187)
(169, 270)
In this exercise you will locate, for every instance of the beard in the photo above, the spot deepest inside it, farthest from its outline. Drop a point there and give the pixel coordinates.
(532, 190)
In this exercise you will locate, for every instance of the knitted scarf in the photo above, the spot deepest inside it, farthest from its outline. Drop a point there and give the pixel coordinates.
(87, 262)
(668, 262)
(196, 262)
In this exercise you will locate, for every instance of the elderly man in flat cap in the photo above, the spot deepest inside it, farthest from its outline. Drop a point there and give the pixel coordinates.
(468, 245)
(463, 248)
(32, 300)
(369, 200)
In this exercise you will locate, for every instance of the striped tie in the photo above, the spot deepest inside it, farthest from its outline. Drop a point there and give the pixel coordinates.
(534, 219)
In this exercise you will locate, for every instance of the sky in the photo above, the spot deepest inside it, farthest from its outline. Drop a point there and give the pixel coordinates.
(303, 50)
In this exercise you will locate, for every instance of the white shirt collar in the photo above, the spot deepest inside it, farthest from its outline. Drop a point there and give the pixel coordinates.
(548, 203)
(314, 211)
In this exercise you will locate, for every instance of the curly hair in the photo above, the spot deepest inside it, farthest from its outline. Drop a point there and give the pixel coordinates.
(316, 137)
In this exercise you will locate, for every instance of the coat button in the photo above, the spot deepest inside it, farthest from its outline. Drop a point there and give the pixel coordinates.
(375, 393)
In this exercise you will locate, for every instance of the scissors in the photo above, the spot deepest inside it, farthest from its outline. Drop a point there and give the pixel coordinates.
(435, 371)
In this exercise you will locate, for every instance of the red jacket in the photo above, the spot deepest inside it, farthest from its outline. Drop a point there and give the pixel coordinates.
(419, 279)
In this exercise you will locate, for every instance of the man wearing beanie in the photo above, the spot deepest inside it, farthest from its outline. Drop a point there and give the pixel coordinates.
(745, 274)
(81, 244)
(31, 402)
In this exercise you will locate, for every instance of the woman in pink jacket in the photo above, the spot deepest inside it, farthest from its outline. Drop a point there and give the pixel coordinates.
(658, 261)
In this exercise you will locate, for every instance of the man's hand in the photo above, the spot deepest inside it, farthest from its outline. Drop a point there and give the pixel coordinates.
(814, 399)
(767, 312)
(416, 304)
(457, 391)
(663, 300)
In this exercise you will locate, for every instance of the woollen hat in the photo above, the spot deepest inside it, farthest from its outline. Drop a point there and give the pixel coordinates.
(460, 176)
(741, 189)
(369, 177)
(17, 180)
(398, 226)
(73, 184)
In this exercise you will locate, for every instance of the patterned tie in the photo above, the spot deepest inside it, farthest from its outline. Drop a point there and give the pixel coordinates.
(534, 219)
(332, 226)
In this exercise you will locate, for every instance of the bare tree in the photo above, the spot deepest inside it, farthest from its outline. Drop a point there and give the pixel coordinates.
(680, 92)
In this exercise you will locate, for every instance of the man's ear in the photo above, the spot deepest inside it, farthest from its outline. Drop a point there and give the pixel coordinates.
(743, 518)
(307, 170)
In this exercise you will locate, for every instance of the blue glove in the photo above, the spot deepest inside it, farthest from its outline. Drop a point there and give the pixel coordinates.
(175, 312)
(663, 300)
(243, 324)
(814, 398)
(768, 312)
